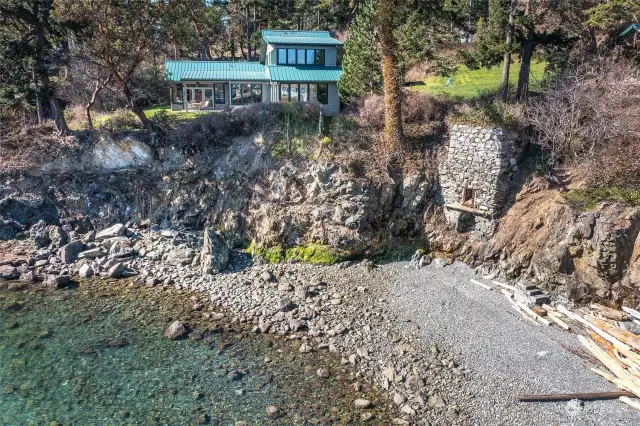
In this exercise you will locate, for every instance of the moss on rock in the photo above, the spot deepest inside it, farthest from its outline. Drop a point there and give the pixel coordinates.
(316, 254)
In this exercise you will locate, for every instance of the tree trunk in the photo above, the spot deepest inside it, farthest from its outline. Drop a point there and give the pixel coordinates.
(99, 86)
(233, 49)
(506, 63)
(36, 87)
(525, 66)
(55, 104)
(393, 132)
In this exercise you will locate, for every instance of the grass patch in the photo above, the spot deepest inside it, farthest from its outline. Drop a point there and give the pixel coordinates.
(589, 198)
(311, 253)
(467, 83)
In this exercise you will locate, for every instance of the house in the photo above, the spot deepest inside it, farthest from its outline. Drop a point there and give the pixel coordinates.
(294, 66)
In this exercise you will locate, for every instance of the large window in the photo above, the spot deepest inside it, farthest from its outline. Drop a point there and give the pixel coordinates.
(301, 56)
(243, 94)
(303, 92)
(282, 56)
(218, 90)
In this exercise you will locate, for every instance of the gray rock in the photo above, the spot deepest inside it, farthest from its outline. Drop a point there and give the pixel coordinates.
(69, 252)
(86, 271)
(436, 401)
(117, 271)
(116, 230)
(58, 281)
(28, 277)
(58, 236)
(179, 257)
(362, 403)
(8, 272)
(214, 256)
(175, 331)
(323, 373)
(273, 411)
(398, 399)
(91, 253)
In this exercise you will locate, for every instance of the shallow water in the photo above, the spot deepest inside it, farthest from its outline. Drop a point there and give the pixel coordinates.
(95, 355)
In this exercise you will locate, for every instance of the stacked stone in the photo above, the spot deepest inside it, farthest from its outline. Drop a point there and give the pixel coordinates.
(480, 159)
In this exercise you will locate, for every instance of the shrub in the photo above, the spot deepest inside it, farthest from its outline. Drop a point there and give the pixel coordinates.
(590, 115)
(416, 108)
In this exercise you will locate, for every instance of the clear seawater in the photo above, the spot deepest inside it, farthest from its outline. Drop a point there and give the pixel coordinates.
(96, 355)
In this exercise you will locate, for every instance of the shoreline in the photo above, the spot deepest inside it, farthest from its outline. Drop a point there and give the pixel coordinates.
(332, 308)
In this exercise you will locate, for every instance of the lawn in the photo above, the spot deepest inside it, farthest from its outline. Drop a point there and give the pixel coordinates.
(468, 84)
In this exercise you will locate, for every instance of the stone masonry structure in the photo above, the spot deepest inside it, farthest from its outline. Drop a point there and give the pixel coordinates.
(475, 177)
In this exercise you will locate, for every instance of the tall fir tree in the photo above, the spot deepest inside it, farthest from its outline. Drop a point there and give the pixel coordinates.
(361, 63)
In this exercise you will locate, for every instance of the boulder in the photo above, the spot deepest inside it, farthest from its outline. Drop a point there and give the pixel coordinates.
(58, 236)
(86, 271)
(175, 331)
(28, 277)
(58, 281)
(116, 230)
(92, 253)
(69, 252)
(8, 272)
(214, 256)
(117, 270)
(179, 257)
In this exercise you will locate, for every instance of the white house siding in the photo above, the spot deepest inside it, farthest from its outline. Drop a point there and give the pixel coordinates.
(333, 107)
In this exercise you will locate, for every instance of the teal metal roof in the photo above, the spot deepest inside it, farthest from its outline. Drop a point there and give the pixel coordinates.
(631, 28)
(214, 70)
(318, 38)
(304, 73)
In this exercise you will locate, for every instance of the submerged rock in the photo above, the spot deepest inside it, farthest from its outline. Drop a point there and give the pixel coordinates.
(175, 331)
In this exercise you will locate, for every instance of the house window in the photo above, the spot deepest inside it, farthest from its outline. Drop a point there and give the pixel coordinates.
(469, 197)
(218, 90)
(282, 56)
(311, 56)
(243, 94)
(293, 94)
(323, 93)
(304, 93)
(319, 57)
(284, 92)
(313, 92)
(301, 56)
(291, 56)
(256, 93)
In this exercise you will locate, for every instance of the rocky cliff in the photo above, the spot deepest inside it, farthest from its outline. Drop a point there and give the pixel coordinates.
(282, 208)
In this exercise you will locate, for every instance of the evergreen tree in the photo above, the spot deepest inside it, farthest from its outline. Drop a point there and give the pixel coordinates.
(362, 71)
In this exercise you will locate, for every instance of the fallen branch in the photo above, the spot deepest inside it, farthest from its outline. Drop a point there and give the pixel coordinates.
(589, 396)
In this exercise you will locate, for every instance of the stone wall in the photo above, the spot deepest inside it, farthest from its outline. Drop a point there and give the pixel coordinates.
(480, 160)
